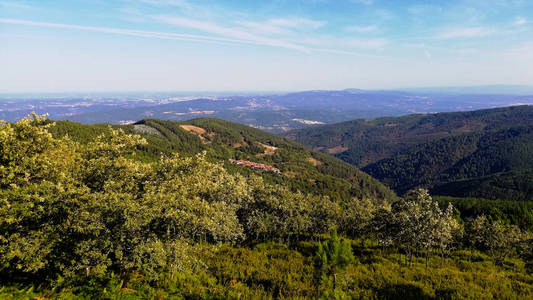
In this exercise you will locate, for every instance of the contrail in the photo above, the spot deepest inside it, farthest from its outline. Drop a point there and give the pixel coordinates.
(180, 36)
(130, 32)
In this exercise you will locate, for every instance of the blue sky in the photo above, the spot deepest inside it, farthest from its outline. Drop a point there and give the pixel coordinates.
(203, 45)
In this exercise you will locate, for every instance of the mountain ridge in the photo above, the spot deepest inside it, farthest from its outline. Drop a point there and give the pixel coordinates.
(301, 169)
(430, 149)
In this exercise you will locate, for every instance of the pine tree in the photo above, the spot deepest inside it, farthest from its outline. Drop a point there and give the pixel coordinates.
(333, 257)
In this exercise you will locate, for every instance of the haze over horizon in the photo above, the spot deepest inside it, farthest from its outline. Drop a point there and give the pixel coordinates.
(186, 45)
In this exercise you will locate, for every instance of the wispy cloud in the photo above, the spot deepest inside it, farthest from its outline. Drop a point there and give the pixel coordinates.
(363, 2)
(351, 53)
(519, 21)
(177, 3)
(239, 37)
(347, 44)
(465, 32)
(362, 29)
(139, 33)
(17, 6)
(228, 32)
(297, 23)
(282, 26)
(190, 8)
(368, 44)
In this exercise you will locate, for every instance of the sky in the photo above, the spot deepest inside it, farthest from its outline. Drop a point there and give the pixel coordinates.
(282, 45)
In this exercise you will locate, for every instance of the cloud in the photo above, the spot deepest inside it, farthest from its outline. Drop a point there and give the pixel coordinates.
(368, 44)
(297, 23)
(466, 32)
(224, 35)
(228, 32)
(228, 35)
(197, 9)
(362, 29)
(282, 26)
(351, 53)
(345, 44)
(176, 3)
(139, 33)
(519, 21)
(363, 2)
(17, 6)
(424, 9)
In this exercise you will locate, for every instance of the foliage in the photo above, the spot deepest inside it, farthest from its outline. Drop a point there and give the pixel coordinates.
(272, 270)
(73, 208)
(518, 213)
(495, 237)
(417, 222)
(457, 154)
(510, 186)
(331, 258)
(89, 219)
(225, 140)
(69, 208)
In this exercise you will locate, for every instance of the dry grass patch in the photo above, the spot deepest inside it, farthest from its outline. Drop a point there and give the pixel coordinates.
(314, 161)
(269, 150)
(200, 132)
(194, 129)
(337, 149)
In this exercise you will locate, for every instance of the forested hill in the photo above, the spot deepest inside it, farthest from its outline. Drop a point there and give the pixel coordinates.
(102, 214)
(438, 150)
(300, 168)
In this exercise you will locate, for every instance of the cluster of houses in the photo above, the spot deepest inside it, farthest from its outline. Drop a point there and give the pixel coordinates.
(254, 165)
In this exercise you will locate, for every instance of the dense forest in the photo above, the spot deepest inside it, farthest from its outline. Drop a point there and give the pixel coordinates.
(450, 153)
(98, 212)
(302, 169)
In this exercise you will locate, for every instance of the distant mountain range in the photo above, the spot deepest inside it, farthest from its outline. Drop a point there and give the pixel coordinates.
(480, 90)
(484, 153)
(275, 113)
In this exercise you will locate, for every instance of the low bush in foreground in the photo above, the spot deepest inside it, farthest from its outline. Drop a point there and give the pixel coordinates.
(271, 270)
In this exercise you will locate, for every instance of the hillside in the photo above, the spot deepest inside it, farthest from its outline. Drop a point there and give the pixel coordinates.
(433, 149)
(93, 212)
(514, 185)
(301, 169)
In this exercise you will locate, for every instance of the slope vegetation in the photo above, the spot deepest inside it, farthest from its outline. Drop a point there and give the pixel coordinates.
(435, 149)
(97, 215)
(301, 169)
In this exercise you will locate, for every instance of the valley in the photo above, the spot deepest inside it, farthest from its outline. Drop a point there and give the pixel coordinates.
(314, 149)
(445, 152)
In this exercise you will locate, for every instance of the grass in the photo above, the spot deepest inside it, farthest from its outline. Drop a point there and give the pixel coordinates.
(271, 270)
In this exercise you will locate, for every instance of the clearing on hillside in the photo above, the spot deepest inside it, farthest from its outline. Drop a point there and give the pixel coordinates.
(195, 129)
(269, 150)
(337, 149)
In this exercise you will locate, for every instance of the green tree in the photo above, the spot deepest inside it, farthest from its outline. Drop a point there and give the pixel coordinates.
(496, 238)
(332, 257)
(419, 223)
